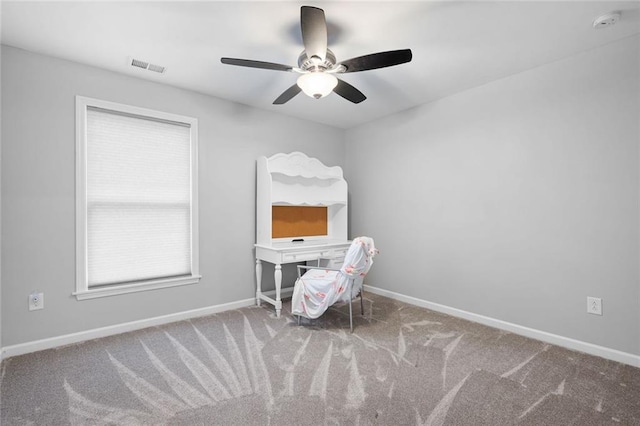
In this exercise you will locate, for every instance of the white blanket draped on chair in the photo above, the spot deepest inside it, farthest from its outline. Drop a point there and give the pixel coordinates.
(318, 289)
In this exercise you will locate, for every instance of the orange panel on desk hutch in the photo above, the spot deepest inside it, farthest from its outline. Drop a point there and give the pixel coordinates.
(298, 221)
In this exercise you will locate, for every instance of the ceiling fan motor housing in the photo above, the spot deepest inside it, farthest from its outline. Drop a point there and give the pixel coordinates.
(316, 64)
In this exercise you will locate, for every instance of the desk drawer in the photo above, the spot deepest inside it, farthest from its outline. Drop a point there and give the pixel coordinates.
(339, 253)
(333, 259)
(305, 256)
(333, 263)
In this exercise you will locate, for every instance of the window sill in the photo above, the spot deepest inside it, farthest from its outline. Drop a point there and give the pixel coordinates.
(135, 287)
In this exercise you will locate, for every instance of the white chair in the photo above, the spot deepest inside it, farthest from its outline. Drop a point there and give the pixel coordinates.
(319, 288)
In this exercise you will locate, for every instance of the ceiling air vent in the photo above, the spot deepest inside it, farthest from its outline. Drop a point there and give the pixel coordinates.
(155, 68)
(147, 66)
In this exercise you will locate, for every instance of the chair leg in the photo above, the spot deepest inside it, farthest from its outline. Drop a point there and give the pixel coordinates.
(350, 316)
(361, 302)
(298, 319)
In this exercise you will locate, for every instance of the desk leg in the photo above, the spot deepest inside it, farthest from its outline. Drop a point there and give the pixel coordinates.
(277, 275)
(258, 281)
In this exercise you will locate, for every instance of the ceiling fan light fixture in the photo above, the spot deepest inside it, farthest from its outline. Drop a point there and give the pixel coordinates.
(317, 84)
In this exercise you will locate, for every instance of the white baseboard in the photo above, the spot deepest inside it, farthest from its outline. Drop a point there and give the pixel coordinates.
(589, 348)
(53, 342)
(68, 339)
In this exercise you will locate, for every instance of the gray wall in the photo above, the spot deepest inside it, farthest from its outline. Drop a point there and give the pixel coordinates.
(0, 195)
(38, 167)
(515, 200)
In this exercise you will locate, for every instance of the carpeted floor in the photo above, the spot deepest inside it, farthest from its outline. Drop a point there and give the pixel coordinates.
(402, 365)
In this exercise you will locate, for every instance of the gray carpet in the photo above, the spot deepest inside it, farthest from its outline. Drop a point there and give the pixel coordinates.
(402, 365)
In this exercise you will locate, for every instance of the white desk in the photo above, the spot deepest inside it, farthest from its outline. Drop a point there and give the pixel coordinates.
(279, 253)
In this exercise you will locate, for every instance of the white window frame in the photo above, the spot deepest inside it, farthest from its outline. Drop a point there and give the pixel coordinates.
(82, 288)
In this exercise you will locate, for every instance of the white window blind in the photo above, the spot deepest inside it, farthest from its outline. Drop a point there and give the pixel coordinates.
(138, 205)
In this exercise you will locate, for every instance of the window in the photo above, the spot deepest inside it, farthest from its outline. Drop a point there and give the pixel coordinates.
(136, 199)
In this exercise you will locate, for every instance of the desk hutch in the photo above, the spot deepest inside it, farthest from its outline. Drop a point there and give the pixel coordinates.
(301, 215)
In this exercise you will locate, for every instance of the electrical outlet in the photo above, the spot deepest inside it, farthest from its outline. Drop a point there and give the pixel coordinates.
(594, 305)
(36, 301)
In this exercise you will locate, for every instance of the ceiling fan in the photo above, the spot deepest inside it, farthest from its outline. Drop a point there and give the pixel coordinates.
(317, 64)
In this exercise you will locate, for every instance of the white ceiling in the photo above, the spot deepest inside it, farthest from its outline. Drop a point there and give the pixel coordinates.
(456, 45)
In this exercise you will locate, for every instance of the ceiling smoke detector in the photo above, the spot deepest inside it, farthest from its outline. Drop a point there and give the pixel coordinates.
(606, 20)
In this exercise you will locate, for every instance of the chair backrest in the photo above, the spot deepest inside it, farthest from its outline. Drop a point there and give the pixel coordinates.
(359, 257)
